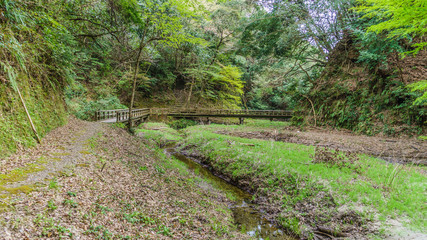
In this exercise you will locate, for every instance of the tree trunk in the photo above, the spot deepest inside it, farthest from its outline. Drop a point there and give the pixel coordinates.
(314, 111)
(134, 86)
(189, 94)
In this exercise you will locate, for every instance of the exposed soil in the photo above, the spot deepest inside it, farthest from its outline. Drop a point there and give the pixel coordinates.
(402, 150)
(106, 184)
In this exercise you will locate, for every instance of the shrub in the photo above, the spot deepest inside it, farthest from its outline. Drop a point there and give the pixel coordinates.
(82, 106)
(182, 123)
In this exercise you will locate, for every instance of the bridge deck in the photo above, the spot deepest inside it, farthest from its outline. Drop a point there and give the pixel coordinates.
(110, 120)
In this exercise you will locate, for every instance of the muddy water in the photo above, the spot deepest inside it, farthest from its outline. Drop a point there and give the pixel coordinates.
(246, 217)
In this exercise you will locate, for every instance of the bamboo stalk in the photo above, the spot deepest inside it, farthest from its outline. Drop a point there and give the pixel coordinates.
(28, 114)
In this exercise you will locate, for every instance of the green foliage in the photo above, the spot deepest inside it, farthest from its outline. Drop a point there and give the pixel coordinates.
(229, 82)
(420, 86)
(53, 184)
(374, 50)
(45, 106)
(28, 62)
(100, 232)
(160, 133)
(225, 54)
(49, 228)
(218, 84)
(398, 18)
(182, 123)
(119, 125)
(70, 202)
(83, 107)
(71, 194)
(51, 205)
(373, 107)
(139, 218)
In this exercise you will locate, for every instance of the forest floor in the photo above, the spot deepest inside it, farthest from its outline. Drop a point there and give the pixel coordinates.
(93, 181)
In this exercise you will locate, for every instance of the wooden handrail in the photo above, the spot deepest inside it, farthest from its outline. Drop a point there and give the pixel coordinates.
(222, 112)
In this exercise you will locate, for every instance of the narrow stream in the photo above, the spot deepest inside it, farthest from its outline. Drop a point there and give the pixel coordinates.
(246, 217)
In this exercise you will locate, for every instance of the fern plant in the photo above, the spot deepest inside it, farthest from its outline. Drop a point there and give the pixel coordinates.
(420, 86)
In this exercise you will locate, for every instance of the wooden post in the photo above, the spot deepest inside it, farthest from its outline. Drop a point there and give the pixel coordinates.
(241, 121)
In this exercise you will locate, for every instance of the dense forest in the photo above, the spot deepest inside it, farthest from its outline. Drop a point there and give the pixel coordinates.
(353, 73)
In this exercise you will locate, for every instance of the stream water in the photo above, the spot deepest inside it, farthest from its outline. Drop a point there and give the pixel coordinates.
(246, 216)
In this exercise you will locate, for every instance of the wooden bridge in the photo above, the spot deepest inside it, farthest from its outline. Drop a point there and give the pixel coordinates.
(122, 115)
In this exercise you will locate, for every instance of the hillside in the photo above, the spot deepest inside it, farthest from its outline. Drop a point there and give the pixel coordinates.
(370, 99)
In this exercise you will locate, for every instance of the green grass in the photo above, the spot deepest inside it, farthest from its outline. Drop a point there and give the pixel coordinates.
(258, 123)
(162, 134)
(287, 168)
(286, 174)
(249, 125)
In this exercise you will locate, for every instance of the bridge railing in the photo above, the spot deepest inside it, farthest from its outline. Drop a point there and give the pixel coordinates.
(160, 111)
(234, 112)
(106, 114)
(123, 115)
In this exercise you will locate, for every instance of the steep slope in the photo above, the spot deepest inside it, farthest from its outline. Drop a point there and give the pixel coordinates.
(35, 61)
(46, 108)
(371, 100)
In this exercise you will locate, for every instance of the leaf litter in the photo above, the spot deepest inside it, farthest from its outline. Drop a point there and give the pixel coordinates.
(109, 185)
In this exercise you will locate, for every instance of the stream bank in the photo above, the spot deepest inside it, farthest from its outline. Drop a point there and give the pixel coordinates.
(313, 193)
(246, 215)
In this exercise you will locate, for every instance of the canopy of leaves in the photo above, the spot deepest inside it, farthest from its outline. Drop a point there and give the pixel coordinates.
(397, 18)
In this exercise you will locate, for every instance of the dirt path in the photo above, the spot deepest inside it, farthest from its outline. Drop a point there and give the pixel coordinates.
(401, 150)
(91, 181)
(64, 148)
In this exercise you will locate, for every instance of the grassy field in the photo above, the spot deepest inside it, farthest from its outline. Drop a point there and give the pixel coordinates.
(305, 187)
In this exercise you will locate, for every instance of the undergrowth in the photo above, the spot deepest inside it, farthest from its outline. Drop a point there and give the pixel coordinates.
(158, 133)
(182, 123)
(336, 158)
(45, 106)
(35, 62)
(375, 105)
